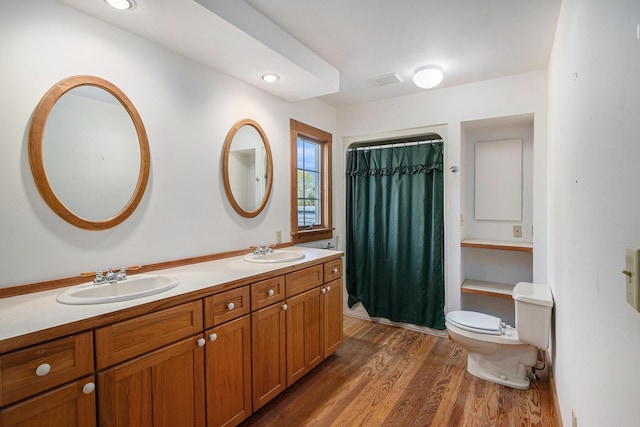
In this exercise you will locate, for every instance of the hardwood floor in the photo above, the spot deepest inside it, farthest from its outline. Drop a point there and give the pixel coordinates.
(386, 376)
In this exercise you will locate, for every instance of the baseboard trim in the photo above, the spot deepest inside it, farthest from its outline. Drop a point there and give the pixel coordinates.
(552, 383)
(409, 326)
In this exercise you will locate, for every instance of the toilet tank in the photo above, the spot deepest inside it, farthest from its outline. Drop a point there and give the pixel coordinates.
(533, 303)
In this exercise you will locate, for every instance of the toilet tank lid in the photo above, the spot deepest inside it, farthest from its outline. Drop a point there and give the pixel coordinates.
(533, 293)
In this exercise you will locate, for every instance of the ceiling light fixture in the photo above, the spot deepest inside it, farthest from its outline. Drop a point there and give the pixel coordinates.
(270, 77)
(428, 77)
(120, 4)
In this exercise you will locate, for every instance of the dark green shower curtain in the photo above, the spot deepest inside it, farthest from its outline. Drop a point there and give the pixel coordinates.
(394, 245)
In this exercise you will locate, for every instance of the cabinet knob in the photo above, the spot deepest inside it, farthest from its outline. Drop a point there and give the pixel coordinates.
(43, 369)
(323, 290)
(201, 342)
(88, 388)
(213, 337)
(270, 292)
(230, 306)
(328, 288)
(284, 307)
(334, 270)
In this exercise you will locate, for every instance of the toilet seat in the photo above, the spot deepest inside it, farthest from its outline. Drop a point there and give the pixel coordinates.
(473, 321)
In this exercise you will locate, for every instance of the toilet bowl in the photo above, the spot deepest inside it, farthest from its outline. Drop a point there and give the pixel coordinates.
(498, 352)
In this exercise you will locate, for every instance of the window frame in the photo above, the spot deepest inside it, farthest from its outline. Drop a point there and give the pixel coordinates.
(325, 229)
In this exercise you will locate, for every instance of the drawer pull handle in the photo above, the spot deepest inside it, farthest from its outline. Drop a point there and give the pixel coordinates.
(270, 292)
(284, 307)
(43, 369)
(334, 270)
(88, 388)
(213, 337)
(201, 342)
(231, 306)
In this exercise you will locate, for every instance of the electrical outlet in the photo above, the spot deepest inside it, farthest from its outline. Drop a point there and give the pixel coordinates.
(278, 237)
(632, 267)
(517, 231)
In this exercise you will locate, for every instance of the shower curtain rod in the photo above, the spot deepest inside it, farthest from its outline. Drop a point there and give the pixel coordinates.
(389, 144)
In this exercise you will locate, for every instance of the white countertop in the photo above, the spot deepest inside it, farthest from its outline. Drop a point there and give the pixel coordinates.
(24, 314)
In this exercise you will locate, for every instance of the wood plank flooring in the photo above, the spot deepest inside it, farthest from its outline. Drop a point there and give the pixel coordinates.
(387, 376)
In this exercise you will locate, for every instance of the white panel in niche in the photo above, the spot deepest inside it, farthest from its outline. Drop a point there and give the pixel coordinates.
(499, 180)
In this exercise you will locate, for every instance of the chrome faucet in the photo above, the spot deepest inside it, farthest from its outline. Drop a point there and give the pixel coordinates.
(110, 276)
(262, 250)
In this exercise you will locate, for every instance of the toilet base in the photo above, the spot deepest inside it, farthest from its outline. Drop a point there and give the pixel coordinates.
(479, 366)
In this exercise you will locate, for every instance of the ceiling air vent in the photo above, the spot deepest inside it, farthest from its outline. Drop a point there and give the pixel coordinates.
(386, 79)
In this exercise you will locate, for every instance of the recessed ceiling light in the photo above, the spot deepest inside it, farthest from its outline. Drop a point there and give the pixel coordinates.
(270, 77)
(120, 4)
(428, 77)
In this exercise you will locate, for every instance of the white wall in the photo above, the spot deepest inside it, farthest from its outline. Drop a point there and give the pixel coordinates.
(187, 110)
(450, 107)
(594, 205)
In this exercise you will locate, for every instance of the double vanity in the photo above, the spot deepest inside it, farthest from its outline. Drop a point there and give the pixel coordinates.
(223, 339)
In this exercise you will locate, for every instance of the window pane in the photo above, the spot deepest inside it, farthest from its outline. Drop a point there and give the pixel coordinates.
(300, 154)
(309, 179)
(300, 183)
(311, 156)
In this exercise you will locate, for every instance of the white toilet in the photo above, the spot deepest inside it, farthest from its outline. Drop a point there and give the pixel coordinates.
(498, 352)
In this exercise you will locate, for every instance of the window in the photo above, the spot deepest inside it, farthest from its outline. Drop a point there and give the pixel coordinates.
(310, 183)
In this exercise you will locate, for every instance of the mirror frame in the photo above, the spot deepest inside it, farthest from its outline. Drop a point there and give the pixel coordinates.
(36, 134)
(225, 168)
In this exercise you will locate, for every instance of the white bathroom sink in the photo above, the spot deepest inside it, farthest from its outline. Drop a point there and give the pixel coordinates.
(133, 287)
(275, 256)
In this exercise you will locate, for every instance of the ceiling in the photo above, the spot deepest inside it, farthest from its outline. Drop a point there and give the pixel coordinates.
(332, 49)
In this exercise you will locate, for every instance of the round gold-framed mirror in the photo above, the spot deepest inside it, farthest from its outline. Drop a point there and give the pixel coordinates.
(88, 152)
(247, 168)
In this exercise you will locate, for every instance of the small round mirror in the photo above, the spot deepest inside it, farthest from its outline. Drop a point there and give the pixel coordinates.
(247, 168)
(88, 152)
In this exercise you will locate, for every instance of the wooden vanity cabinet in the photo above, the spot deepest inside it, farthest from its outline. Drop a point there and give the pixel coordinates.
(212, 361)
(228, 357)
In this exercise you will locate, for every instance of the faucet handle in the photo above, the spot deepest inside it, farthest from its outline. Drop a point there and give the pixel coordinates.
(122, 274)
(99, 277)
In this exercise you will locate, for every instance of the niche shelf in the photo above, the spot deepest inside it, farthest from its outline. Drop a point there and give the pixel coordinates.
(498, 245)
(494, 289)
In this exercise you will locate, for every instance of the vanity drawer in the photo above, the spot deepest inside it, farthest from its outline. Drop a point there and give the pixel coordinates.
(267, 292)
(226, 306)
(34, 369)
(303, 280)
(332, 270)
(130, 338)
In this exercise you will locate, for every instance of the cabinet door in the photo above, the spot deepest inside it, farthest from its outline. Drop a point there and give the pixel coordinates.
(228, 368)
(71, 405)
(268, 353)
(161, 388)
(333, 332)
(305, 334)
